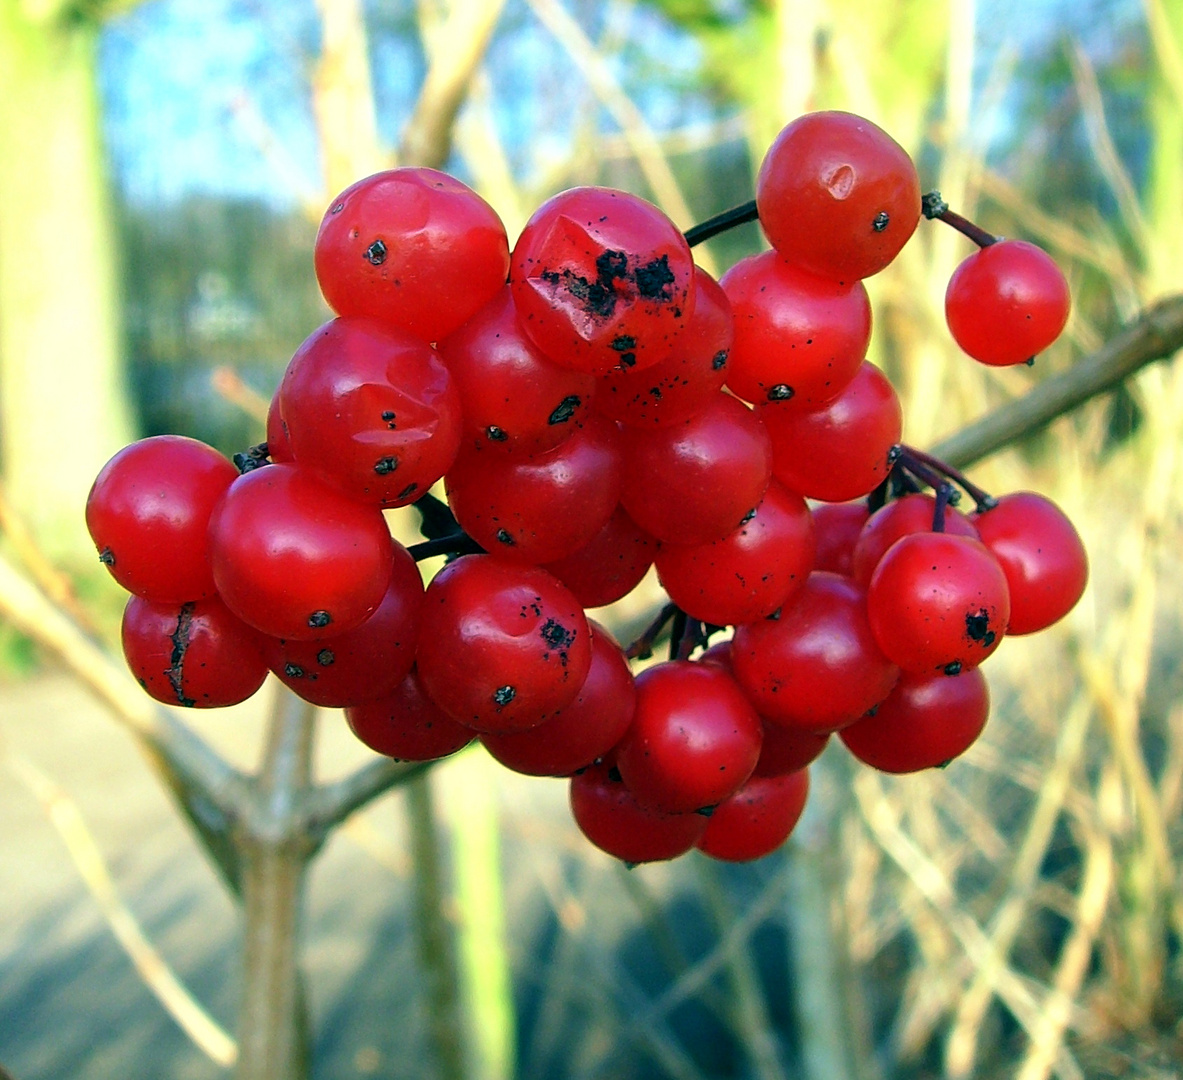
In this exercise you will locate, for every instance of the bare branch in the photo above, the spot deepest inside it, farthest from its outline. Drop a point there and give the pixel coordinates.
(330, 804)
(211, 790)
(454, 52)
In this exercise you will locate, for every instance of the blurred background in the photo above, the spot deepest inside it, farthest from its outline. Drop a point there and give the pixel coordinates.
(163, 167)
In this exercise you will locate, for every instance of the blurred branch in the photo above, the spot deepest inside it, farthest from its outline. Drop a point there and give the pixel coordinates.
(604, 85)
(228, 385)
(434, 937)
(454, 49)
(1156, 334)
(1092, 105)
(58, 587)
(63, 813)
(343, 98)
(213, 780)
(329, 804)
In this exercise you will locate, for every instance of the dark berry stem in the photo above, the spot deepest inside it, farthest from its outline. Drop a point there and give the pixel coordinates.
(983, 499)
(944, 496)
(728, 219)
(926, 473)
(456, 543)
(642, 648)
(934, 207)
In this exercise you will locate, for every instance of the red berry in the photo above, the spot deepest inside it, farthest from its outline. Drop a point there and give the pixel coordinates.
(609, 815)
(584, 730)
(148, 513)
(693, 482)
(938, 602)
(817, 667)
(927, 720)
(751, 572)
(1006, 302)
(501, 646)
(512, 396)
(361, 664)
(907, 514)
(610, 565)
(757, 819)
(840, 451)
(836, 527)
(799, 338)
(195, 654)
(295, 558)
(371, 410)
(688, 380)
(406, 724)
(1041, 555)
(602, 280)
(413, 247)
(837, 195)
(694, 738)
(539, 507)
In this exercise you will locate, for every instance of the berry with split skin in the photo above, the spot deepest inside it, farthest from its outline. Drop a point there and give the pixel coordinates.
(371, 410)
(602, 280)
(198, 655)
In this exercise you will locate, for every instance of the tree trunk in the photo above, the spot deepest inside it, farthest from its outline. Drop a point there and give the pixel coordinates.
(63, 408)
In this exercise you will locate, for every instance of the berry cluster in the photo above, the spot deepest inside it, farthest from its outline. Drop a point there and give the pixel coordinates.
(597, 405)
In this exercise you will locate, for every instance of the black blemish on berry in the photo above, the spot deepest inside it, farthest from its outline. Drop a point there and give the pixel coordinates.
(748, 516)
(780, 392)
(872, 711)
(627, 360)
(496, 434)
(503, 695)
(614, 775)
(385, 466)
(503, 537)
(556, 635)
(325, 657)
(953, 668)
(881, 221)
(338, 208)
(318, 620)
(409, 490)
(775, 616)
(655, 278)
(720, 360)
(388, 418)
(293, 671)
(623, 342)
(176, 661)
(977, 628)
(107, 557)
(705, 811)
(596, 298)
(611, 265)
(376, 253)
(565, 409)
